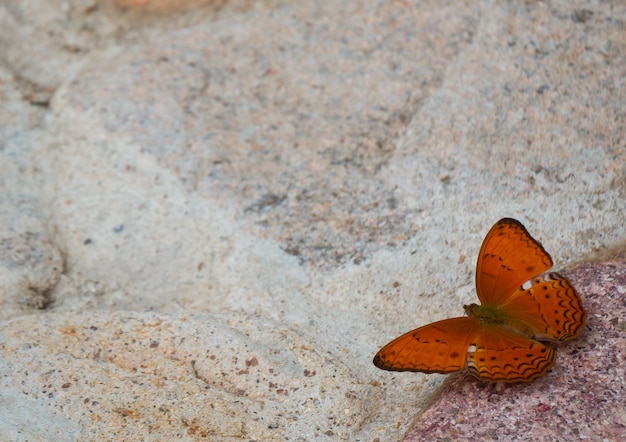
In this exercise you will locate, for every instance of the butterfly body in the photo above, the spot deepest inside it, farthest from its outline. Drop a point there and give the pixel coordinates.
(498, 340)
(491, 315)
(488, 314)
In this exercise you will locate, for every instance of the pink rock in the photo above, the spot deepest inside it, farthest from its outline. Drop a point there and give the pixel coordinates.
(583, 396)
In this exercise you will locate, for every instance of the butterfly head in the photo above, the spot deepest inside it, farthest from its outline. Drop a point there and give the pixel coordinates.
(471, 310)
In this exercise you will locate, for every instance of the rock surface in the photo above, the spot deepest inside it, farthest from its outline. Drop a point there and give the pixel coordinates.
(212, 220)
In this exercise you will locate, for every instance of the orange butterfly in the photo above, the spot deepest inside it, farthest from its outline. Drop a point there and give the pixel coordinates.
(498, 340)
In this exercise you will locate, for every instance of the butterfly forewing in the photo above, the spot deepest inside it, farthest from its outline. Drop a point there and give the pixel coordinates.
(509, 257)
(440, 347)
(499, 355)
(550, 306)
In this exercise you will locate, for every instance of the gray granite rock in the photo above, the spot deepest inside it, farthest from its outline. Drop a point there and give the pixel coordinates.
(247, 209)
(30, 262)
(130, 375)
(30, 265)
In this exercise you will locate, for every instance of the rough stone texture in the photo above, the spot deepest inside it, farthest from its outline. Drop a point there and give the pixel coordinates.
(582, 397)
(275, 195)
(45, 44)
(30, 265)
(129, 374)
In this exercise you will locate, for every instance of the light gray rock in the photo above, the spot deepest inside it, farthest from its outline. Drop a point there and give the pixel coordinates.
(175, 376)
(249, 208)
(30, 265)
(30, 262)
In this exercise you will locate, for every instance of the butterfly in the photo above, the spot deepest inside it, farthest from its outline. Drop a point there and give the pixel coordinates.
(498, 340)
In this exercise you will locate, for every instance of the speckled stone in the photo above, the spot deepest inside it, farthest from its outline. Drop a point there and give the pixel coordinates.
(285, 190)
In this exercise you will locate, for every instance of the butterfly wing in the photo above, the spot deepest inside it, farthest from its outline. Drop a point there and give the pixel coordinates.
(508, 258)
(440, 347)
(498, 355)
(550, 306)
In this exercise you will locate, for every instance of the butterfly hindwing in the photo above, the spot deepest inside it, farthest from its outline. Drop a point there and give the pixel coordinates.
(440, 347)
(550, 306)
(509, 257)
(499, 355)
